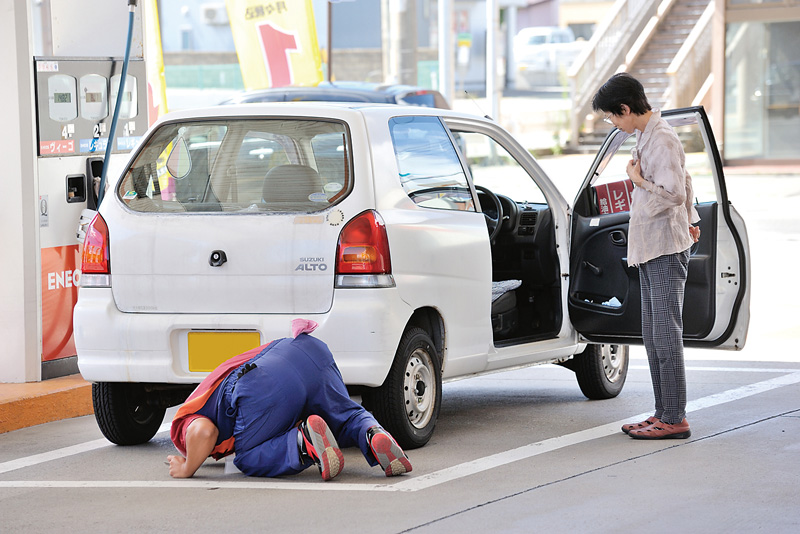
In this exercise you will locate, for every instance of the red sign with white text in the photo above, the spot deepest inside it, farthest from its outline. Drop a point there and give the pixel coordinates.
(614, 197)
(62, 146)
(60, 273)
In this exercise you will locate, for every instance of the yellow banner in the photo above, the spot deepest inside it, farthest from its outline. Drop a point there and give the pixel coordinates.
(156, 84)
(276, 42)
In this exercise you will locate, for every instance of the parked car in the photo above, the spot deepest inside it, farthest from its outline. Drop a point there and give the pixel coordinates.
(428, 245)
(346, 92)
(544, 54)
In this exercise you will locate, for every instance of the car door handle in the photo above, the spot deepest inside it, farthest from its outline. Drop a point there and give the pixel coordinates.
(597, 271)
(618, 238)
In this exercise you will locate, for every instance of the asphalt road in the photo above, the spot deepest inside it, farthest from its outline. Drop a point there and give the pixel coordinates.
(519, 451)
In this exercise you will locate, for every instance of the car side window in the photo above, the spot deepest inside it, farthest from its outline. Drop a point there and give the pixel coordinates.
(429, 169)
(493, 167)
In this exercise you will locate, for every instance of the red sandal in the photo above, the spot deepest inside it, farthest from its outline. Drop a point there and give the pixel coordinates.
(636, 426)
(662, 430)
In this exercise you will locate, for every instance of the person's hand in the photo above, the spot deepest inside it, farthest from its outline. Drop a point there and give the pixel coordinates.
(634, 171)
(176, 467)
(694, 231)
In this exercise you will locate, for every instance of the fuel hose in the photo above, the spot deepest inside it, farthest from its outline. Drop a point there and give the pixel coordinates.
(120, 91)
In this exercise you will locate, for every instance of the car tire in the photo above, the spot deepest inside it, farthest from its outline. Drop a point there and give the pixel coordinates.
(123, 414)
(601, 370)
(408, 402)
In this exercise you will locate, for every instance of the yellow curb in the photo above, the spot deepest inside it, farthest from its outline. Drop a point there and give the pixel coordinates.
(34, 403)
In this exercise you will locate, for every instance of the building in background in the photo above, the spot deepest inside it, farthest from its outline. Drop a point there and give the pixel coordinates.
(758, 62)
(582, 16)
(754, 95)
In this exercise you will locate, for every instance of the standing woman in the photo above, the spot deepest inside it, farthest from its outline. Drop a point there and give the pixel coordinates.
(660, 235)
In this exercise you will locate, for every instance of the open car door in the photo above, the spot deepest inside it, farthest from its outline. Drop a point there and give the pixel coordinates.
(604, 293)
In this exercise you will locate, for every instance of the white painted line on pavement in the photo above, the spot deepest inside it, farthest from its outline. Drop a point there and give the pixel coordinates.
(726, 369)
(57, 454)
(410, 483)
(549, 445)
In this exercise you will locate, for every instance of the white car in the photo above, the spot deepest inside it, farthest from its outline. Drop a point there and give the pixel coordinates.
(544, 54)
(392, 227)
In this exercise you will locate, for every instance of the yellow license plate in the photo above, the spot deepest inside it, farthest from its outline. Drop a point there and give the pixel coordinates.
(209, 349)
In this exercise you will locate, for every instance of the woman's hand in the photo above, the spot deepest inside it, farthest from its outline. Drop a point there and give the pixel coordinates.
(694, 231)
(634, 171)
(177, 466)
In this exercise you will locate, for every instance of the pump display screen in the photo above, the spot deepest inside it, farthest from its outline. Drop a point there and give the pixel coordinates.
(75, 99)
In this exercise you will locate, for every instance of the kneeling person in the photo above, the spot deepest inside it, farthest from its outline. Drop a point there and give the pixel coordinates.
(252, 404)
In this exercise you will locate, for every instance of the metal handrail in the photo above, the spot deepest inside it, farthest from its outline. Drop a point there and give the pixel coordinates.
(691, 67)
(604, 54)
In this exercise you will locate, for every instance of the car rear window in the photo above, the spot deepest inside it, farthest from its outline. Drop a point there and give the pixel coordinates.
(267, 165)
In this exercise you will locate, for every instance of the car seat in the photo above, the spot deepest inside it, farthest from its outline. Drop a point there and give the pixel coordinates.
(293, 187)
(504, 306)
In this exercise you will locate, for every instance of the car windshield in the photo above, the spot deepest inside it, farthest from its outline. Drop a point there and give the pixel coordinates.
(266, 165)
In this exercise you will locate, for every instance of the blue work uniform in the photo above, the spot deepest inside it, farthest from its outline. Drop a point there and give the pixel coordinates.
(293, 378)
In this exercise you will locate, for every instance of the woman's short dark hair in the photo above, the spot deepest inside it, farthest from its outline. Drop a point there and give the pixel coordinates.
(621, 88)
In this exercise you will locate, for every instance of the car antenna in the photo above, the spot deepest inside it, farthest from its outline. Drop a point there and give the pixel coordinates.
(476, 105)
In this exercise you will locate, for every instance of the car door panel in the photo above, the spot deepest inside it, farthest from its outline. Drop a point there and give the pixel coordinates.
(599, 273)
(699, 307)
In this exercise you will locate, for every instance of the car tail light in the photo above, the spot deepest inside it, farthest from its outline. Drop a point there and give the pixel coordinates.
(362, 255)
(96, 260)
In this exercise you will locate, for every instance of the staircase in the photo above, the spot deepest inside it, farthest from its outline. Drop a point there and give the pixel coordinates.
(651, 66)
(670, 55)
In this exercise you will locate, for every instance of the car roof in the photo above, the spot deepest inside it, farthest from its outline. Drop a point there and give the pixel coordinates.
(334, 110)
(347, 91)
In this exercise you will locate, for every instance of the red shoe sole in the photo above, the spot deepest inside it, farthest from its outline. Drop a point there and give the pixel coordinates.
(391, 457)
(331, 459)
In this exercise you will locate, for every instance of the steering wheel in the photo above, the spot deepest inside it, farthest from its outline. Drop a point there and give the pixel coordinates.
(493, 225)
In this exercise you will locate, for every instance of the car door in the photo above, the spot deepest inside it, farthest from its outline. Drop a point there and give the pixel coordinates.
(235, 212)
(528, 248)
(604, 293)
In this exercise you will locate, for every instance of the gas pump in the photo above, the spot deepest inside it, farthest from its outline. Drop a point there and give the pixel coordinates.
(75, 102)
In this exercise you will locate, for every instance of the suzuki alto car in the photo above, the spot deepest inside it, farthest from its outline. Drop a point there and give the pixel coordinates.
(428, 245)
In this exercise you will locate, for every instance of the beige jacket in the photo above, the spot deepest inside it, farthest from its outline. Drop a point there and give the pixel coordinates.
(661, 209)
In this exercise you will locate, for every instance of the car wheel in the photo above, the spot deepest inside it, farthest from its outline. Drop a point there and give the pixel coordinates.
(123, 414)
(408, 402)
(601, 370)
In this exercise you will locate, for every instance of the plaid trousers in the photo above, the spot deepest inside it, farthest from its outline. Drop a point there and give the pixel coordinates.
(663, 281)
